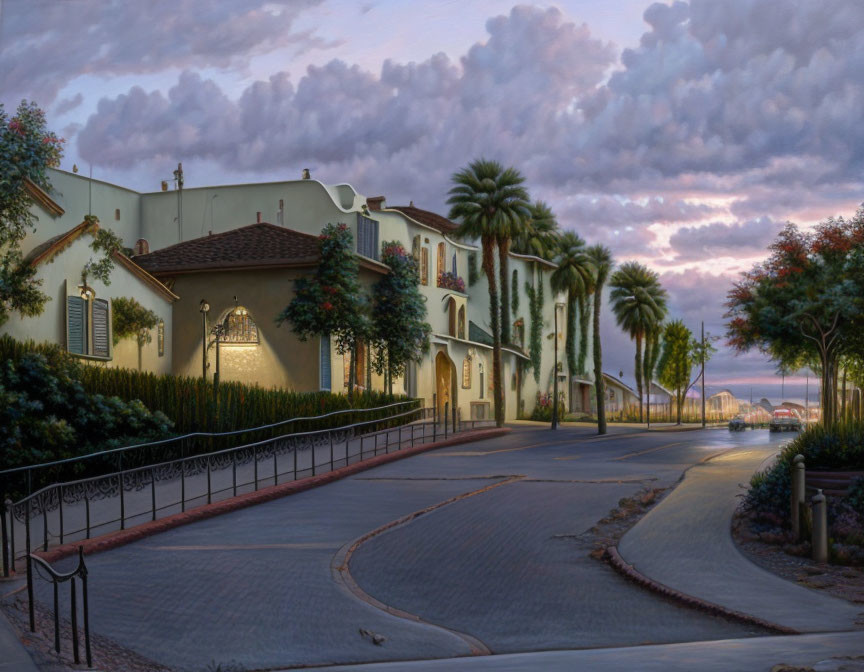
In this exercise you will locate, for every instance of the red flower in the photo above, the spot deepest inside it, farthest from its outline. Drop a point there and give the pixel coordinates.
(327, 305)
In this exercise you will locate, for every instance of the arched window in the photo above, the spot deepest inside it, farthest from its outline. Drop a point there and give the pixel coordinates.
(424, 266)
(461, 323)
(452, 309)
(238, 327)
(482, 380)
(442, 259)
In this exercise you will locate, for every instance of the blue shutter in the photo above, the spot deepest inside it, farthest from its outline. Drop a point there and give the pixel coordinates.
(76, 325)
(454, 266)
(367, 237)
(324, 367)
(101, 328)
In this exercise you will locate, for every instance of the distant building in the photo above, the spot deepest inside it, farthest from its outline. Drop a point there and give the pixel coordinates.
(722, 405)
(621, 399)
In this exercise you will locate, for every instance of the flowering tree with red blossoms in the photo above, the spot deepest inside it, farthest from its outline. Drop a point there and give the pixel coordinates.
(331, 302)
(27, 150)
(805, 304)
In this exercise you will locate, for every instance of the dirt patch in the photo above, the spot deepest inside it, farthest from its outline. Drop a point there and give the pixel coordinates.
(774, 553)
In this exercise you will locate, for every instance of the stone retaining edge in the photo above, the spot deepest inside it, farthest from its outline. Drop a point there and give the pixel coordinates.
(629, 572)
(122, 537)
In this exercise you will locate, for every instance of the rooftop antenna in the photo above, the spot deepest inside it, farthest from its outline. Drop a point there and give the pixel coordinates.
(178, 177)
(90, 194)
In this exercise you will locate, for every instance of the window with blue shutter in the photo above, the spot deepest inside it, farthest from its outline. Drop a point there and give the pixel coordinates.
(101, 330)
(324, 367)
(367, 237)
(76, 325)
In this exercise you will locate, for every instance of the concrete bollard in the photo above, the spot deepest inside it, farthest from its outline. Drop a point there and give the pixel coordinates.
(820, 528)
(798, 498)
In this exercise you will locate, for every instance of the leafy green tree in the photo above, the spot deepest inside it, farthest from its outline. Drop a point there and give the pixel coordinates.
(639, 304)
(676, 362)
(601, 264)
(130, 319)
(398, 315)
(573, 276)
(27, 150)
(332, 301)
(805, 302)
(490, 203)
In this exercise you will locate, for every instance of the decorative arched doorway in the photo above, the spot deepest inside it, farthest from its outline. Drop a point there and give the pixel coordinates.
(445, 383)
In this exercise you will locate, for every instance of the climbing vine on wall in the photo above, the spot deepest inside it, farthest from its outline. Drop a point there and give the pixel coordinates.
(514, 298)
(472, 268)
(535, 301)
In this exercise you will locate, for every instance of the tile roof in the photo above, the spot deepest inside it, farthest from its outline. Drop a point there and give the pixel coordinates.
(252, 246)
(426, 217)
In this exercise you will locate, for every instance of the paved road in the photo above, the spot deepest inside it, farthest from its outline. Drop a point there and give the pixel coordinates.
(259, 586)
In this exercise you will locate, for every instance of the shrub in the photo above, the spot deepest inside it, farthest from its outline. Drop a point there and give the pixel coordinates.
(543, 408)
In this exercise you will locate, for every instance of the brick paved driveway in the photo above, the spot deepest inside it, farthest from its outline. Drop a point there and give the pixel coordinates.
(256, 587)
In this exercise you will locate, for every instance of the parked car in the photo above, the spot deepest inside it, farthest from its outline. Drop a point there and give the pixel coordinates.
(785, 419)
(737, 423)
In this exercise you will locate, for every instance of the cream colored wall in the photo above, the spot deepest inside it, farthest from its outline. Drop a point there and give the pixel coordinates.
(281, 359)
(72, 193)
(308, 207)
(50, 326)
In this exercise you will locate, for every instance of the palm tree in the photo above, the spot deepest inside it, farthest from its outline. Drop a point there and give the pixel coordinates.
(491, 204)
(573, 276)
(540, 236)
(601, 263)
(639, 304)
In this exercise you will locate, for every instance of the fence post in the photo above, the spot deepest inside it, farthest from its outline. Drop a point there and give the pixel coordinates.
(4, 533)
(446, 413)
(209, 496)
(153, 493)
(820, 528)
(182, 484)
(88, 653)
(255, 460)
(798, 497)
(234, 471)
(87, 512)
(29, 567)
(74, 605)
(454, 418)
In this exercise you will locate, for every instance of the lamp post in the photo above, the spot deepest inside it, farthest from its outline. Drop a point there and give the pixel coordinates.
(554, 337)
(204, 308)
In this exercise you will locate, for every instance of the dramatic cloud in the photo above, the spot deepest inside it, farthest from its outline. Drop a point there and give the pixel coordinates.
(46, 43)
(720, 239)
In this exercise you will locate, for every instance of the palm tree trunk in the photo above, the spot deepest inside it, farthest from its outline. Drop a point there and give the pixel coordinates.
(570, 342)
(639, 373)
(599, 386)
(584, 318)
(495, 320)
(504, 275)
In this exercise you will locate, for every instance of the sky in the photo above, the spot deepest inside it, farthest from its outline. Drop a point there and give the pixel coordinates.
(681, 134)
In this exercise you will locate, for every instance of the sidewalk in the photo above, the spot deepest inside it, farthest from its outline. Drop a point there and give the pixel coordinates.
(685, 543)
(757, 654)
(13, 655)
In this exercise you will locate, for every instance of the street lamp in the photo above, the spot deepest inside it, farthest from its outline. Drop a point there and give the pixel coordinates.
(204, 308)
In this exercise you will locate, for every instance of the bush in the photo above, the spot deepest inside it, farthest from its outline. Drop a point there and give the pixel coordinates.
(46, 414)
(190, 403)
(543, 408)
(839, 447)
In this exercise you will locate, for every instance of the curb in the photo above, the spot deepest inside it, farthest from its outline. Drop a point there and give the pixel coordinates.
(629, 572)
(122, 537)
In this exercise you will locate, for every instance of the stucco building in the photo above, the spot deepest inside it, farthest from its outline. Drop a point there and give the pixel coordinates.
(240, 248)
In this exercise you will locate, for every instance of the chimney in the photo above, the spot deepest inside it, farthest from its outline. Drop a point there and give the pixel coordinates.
(306, 174)
(411, 204)
(258, 217)
(164, 185)
(375, 202)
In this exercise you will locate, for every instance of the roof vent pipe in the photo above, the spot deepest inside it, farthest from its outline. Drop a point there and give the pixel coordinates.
(306, 174)
(258, 217)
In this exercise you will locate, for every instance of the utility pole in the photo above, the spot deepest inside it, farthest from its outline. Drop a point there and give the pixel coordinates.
(703, 374)
(555, 371)
(807, 398)
(178, 176)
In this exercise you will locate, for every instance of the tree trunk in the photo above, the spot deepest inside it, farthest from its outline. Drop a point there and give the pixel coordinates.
(584, 308)
(495, 320)
(599, 385)
(352, 370)
(570, 341)
(503, 268)
(843, 399)
(679, 399)
(639, 373)
(368, 370)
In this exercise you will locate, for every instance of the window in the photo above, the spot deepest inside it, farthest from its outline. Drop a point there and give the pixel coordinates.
(424, 266)
(238, 327)
(324, 362)
(452, 316)
(453, 266)
(415, 248)
(460, 333)
(367, 237)
(482, 384)
(466, 373)
(160, 338)
(117, 214)
(442, 259)
(88, 326)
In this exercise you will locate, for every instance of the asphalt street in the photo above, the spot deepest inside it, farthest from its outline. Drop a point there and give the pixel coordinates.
(494, 562)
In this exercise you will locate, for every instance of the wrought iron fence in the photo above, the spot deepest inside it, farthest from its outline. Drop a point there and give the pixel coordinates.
(56, 578)
(19, 481)
(75, 510)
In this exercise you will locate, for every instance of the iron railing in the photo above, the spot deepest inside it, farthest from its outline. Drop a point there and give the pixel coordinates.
(56, 578)
(75, 510)
(17, 481)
